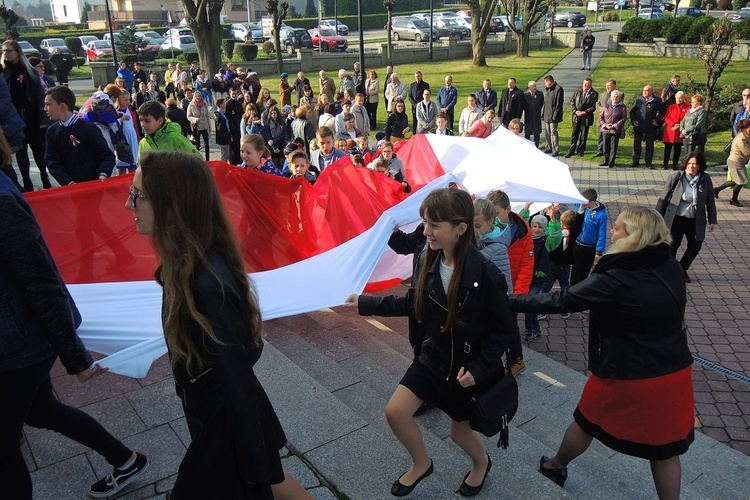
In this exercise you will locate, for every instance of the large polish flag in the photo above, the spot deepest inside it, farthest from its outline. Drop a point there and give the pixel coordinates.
(305, 247)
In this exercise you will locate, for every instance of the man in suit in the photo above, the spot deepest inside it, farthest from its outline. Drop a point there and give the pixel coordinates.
(552, 114)
(511, 103)
(416, 94)
(447, 99)
(532, 113)
(486, 97)
(647, 115)
(583, 105)
(604, 99)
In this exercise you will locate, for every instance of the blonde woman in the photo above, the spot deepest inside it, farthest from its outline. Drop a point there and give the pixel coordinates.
(199, 118)
(639, 357)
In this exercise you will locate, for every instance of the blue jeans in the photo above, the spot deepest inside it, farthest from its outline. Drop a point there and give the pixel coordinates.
(558, 273)
(532, 323)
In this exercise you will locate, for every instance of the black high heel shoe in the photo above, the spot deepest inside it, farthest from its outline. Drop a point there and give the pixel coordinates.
(469, 491)
(401, 490)
(557, 475)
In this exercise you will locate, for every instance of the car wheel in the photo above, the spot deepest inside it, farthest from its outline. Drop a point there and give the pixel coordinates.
(323, 47)
(570, 24)
(418, 37)
(396, 36)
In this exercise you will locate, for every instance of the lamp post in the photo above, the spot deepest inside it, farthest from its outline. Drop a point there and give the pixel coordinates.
(361, 40)
(111, 33)
(336, 16)
(432, 27)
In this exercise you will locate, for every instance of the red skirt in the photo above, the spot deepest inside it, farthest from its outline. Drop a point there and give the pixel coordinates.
(650, 418)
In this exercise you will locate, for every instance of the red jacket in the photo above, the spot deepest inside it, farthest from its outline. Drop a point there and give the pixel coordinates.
(675, 114)
(521, 255)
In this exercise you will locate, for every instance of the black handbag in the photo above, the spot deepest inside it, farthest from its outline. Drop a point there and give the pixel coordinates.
(492, 411)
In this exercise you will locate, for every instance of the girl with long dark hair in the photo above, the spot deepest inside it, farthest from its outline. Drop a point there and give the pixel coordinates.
(456, 294)
(213, 329)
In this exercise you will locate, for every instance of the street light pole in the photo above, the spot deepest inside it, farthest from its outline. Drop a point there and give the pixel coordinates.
(111, 33)
(432, 27)
(362, 71)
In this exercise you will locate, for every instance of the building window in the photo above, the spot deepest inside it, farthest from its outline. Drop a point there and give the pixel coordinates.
(239, 4)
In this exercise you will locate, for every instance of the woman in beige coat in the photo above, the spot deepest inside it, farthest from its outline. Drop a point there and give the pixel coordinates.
(198, 117)
(737, 161)
(372, 97)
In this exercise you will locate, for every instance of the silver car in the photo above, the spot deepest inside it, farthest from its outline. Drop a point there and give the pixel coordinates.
(182, 42)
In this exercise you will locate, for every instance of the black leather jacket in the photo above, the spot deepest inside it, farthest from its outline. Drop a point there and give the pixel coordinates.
(635, 326)
(484, 308)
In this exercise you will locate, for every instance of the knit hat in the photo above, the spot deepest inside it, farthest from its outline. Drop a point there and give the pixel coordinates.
(541, 220)
(287, 109)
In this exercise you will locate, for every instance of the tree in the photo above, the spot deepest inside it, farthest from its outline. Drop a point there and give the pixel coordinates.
(389, 5)
(85, 13)
(278, 11)
(310, 9)
(9, 18)
(203, 17)
(127, 44)
(531, 11)
(716, 54)
(481, 13)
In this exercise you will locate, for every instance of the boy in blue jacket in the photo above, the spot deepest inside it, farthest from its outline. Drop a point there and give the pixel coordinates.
(592, 241)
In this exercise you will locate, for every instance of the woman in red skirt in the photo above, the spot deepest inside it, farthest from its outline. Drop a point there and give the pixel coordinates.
(639, 398)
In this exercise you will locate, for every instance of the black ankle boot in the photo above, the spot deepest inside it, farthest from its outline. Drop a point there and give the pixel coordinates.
(559, 476)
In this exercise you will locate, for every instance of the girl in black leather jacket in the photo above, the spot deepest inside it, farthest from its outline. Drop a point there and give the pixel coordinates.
(455, 293)
(638, 352)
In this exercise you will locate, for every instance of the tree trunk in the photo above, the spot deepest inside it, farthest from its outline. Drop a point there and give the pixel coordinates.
(206, 27)
(522, 49)
(389, 43)
(479, 50)
(277, 44)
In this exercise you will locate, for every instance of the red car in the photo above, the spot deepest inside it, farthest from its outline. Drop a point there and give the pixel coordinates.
(325, 39)
(149, 49)
(98, 48)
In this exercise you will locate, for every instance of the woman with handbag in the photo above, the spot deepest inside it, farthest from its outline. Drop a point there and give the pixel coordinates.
(459, 324)
(693, 126)
(639, 397)
(686, 202)
(739, 155)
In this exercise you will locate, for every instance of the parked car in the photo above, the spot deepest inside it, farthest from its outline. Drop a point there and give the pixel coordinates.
(341, 29)
(150, 48)
(85, 39)
(413, 29)
(569, 19)
(449, 27)
(147, 34)
(665, 6)
(503, 23)
(444, 15)
(181, 42)
(28, 49)
(326, 40)
(107, 37)
(49, 45)
(689, 11)
(292, 39)
(424, 16)
(743, 13)
(464, 21)
(247, 31)
(98, 48)
(175, 32)
(649, 13)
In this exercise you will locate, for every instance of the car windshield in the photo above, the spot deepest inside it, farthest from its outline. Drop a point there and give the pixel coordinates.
(327, 32)
(25, 45)
(300, 32)
(421, 24)
(103, 44)
(56, 43)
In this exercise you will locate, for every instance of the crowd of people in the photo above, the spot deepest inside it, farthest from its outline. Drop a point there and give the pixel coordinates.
(161, 126)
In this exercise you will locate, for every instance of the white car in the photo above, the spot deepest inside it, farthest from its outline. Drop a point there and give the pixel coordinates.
(464, 21)
(341, 29)
(247, 31)
(181, 42)
(147, 34)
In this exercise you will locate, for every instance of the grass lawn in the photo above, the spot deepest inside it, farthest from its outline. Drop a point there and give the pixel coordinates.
(468, 79)
(633, 72)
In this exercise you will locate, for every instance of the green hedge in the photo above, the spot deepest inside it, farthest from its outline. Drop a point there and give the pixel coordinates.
(683, 29)
(246, 51)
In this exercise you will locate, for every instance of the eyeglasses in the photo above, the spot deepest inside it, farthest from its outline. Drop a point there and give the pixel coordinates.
(9, 50)
(135, 196)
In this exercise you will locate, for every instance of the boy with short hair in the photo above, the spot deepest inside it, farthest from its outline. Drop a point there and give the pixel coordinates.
(442, 125)
(160, 133)
(299, 166)
(521, 255)
(76, 150)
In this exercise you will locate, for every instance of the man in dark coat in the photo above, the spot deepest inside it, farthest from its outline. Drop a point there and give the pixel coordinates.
(532, 113)
(234, 115)
(552, 114)
(669, 91)
(178, 116)
(604, 99)
(416, 94)
(486, 97)
(299, 86)
(139, 75)
(647, 115)
(583, 106)
(511, 103)
(358, 79)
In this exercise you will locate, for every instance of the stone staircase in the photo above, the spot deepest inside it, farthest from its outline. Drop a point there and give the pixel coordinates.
(330, 374)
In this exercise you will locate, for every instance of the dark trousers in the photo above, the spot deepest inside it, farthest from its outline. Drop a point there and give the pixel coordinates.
(35, 141)
(638, 140)
(559, 273)
(414, 120)
(600, 143)
(535, 138)
(234, 147)
(583, 260)
(531, 321)
(684, 226)
(372, 113)
(516, 347)
(198, 134)
(672, 149)
(611, 141)
(28, 397)
(579, 138)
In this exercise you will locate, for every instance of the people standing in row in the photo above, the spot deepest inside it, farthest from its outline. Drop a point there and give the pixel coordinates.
(583, 106)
